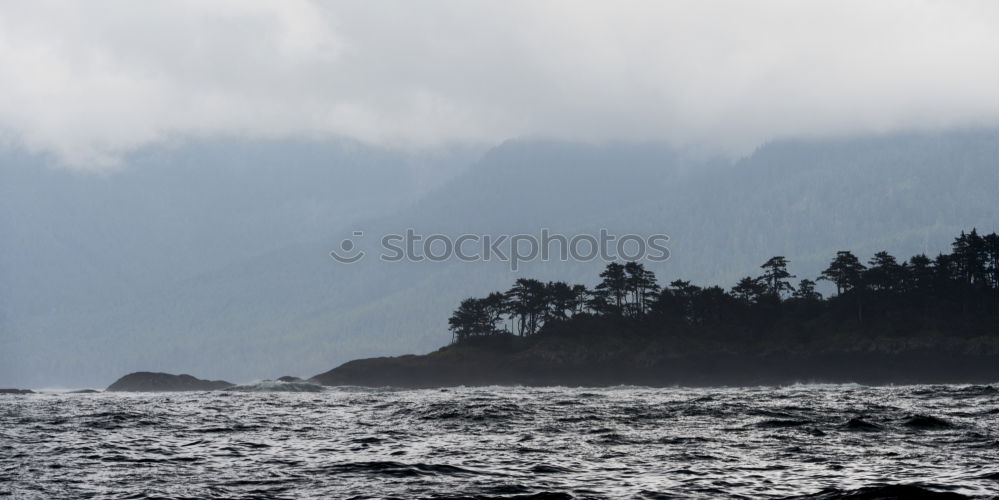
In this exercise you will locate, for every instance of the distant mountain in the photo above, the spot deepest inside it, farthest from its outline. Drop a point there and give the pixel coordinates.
(190, 262)
(86, 258)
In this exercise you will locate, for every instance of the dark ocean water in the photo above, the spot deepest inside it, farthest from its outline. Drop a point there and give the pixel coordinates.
(502, 442)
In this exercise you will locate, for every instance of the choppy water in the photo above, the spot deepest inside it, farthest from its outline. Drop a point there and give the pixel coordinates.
(502, 442)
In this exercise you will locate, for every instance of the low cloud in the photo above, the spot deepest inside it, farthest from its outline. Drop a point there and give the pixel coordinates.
(90, 81)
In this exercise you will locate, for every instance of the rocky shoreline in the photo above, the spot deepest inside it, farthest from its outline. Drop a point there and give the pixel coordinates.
(575, 365)
(579, 362)
(16, 391)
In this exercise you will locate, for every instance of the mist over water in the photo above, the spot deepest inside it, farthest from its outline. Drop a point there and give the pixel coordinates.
(503, 442)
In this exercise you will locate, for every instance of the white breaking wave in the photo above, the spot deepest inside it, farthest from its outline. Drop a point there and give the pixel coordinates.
(277, 386)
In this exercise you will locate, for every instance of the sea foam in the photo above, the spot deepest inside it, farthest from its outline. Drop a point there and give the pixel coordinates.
(277, 386)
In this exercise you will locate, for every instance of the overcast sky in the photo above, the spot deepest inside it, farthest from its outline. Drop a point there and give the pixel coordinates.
(91, 80)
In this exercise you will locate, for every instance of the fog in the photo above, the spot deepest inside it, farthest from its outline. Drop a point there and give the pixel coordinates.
(89, 83)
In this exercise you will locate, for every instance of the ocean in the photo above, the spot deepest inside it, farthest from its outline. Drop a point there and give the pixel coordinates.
(800, 441)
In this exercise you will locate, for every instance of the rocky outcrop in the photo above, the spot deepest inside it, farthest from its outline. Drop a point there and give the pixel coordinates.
(16, 391)
(164, 382)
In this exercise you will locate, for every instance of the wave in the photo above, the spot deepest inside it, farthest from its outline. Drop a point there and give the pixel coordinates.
(277, 386)
(781, 423)
(366, 389)
(472, 411)
(823, 385)
(927, 422)
(889, 491)
(399, 469)
(859, 425)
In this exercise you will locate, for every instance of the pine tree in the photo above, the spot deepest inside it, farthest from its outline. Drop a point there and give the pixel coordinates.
(775, 276)
(883, 272)
(807, 291)
(845, 272)
(749, 290)
(615, 283)
(641, 285)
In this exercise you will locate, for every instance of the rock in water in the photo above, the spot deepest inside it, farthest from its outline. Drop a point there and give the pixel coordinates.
(16, 391)
(289, 378)
(164, 382)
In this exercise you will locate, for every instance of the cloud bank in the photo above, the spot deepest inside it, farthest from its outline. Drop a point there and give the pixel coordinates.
(90, 81)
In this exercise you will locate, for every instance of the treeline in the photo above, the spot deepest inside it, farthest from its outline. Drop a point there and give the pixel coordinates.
(956, 292)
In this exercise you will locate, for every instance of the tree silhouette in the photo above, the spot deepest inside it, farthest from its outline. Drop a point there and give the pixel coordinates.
(468, 320)
(845, 272)
(919, 274)
(615, 284)
(775, 276)
(561, 299)
(749, 290)
(807, 291)
(598, 301)
(970, 257)
(709, 305)
(884, 273)
(580, 296)
(991, 243)
(954, 294)
(494, 307)
(641, 285)
(527, 302)
(677, 299)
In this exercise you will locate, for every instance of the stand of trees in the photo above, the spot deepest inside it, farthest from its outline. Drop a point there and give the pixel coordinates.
(956, 292)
